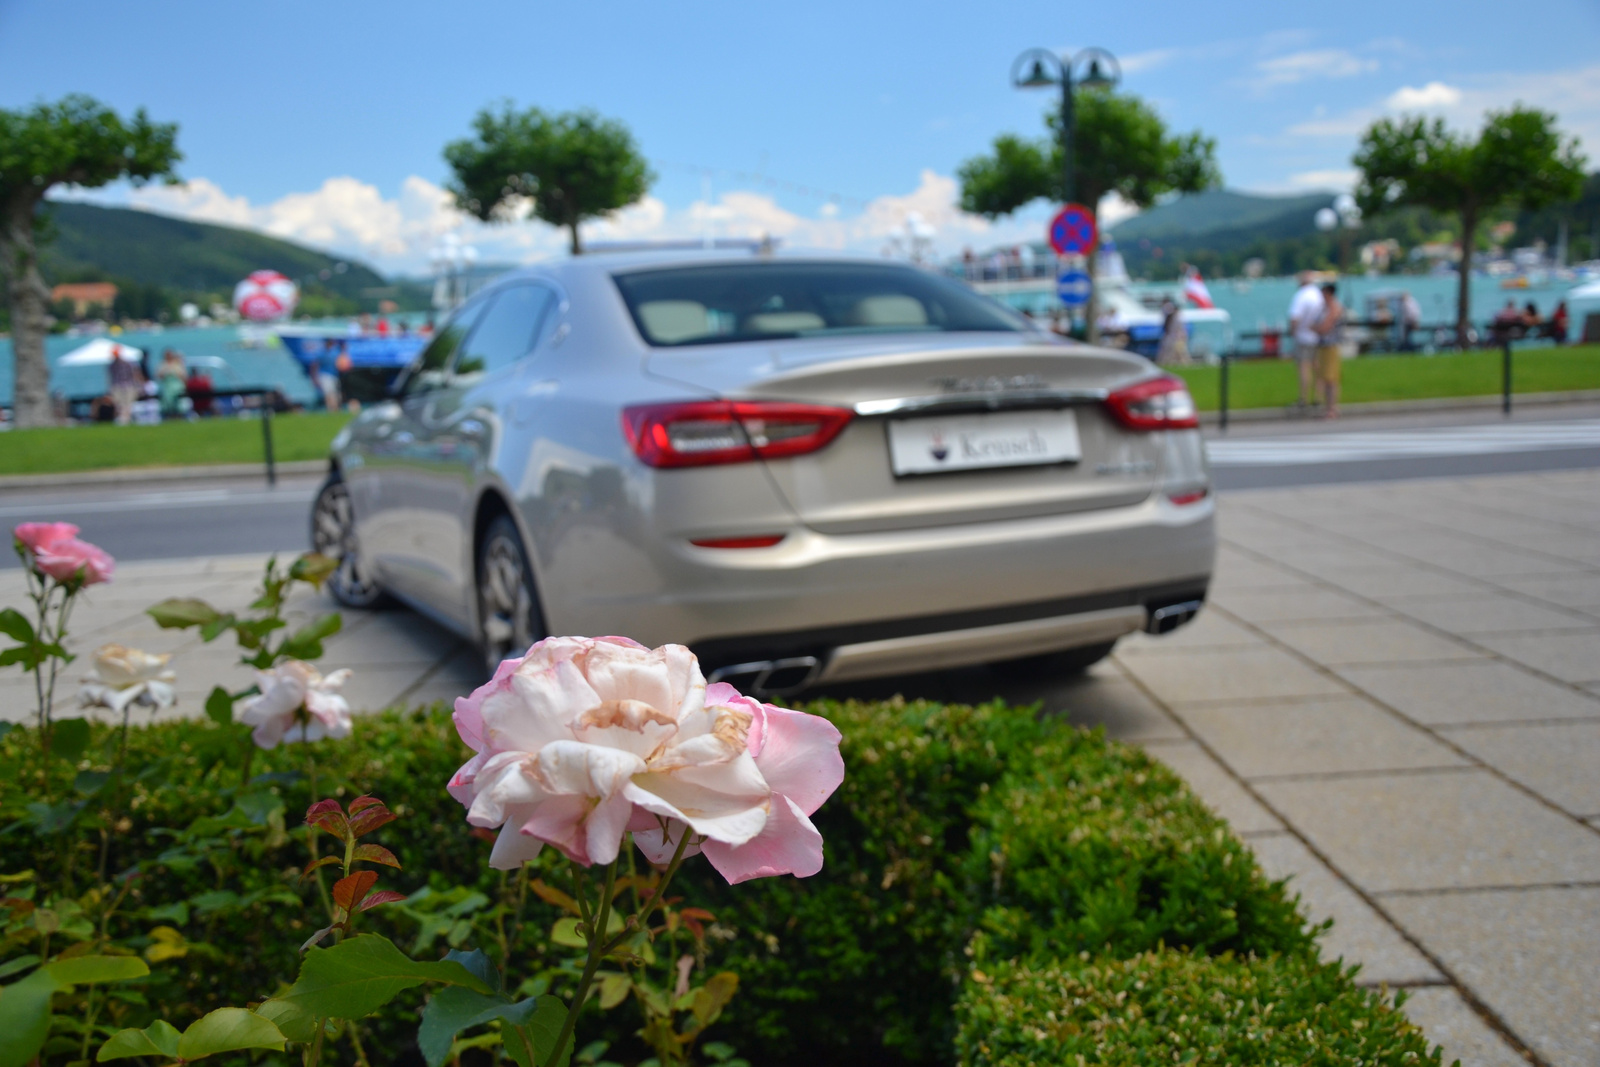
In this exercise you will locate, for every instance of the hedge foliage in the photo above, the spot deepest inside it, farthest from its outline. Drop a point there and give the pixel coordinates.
(1169, 1006)
(963, 839)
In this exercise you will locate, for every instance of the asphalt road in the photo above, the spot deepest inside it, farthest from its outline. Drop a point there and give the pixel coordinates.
(176, 520)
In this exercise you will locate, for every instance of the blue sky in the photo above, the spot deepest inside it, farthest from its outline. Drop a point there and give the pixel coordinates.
(324, 121)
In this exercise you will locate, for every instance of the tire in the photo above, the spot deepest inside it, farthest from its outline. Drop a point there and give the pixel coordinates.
(509, 619)
(333, 533)
(1064, 664)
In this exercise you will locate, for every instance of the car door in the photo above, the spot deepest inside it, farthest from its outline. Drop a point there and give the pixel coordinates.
(391, 491)
(458, 429)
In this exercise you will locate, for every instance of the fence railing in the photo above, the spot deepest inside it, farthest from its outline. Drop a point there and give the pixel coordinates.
(1227, 359)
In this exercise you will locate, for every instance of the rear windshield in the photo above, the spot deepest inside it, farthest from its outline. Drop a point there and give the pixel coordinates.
(758, 301)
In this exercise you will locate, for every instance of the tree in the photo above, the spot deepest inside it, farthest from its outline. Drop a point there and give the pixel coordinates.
(77, 141)
(1119, 145)
(567, 168)
(1520, 160)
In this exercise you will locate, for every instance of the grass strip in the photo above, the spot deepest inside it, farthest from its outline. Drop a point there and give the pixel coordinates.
(1265, 383)
(64, 449)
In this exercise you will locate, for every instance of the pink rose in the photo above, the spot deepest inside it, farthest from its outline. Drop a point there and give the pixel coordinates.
(582, 737)
(35, 535)
(798, 755)
(53, 549)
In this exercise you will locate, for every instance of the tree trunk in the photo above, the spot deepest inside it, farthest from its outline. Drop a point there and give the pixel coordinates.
(30, 302)
(577, 246)
(1469, 227)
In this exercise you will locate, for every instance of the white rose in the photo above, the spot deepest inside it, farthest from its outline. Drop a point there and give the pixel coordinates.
(296, 703)
(125, 676)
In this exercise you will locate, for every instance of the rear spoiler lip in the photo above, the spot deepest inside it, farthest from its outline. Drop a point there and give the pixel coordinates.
(991, 401)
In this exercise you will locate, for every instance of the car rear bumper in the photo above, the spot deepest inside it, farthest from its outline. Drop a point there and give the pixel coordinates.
(896, 601)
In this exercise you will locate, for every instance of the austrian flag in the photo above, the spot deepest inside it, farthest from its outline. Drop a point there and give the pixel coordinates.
(1195, 290)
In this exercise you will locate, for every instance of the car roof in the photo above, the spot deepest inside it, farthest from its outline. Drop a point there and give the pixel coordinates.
(611, 263)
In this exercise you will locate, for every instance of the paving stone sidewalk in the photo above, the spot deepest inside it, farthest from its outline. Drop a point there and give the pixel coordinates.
(1394, 697)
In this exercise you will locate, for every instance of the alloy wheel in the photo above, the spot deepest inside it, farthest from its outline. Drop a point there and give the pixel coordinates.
(333, 534)
(506, 598)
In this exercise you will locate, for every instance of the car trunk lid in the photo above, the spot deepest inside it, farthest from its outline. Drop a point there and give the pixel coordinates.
(994, 396)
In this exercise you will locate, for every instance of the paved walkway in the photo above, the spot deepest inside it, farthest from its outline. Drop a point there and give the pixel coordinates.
(1394, 697)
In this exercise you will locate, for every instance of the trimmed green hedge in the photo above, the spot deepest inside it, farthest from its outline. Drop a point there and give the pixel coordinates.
(962, 838)
(1169, 1007)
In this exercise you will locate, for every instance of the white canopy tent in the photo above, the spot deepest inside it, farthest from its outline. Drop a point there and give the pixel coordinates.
(97, 353)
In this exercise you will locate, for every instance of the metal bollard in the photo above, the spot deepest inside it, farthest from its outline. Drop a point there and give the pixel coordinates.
(1505, 379)
(266, 440)
(1222, 421)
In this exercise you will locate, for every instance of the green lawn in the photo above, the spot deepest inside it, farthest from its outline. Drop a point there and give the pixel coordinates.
(97, 447)
(1255, 384)
(1273, 383)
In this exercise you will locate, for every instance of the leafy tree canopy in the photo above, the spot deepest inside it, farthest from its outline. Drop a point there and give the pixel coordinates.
(1120, 145)
(76, 141)
(79, 141)
(1520, 159)
(566, 168)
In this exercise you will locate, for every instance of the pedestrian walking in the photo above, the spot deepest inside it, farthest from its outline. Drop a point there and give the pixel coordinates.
(1330, 354)
(126, 385)
(1305, 312)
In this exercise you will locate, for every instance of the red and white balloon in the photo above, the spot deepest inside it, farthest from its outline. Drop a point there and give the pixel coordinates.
(265, 295)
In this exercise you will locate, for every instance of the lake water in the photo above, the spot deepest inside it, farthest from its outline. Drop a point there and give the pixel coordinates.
(1253, 305)
(251, 367)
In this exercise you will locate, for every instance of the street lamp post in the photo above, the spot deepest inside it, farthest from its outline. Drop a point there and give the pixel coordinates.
(1040, 67)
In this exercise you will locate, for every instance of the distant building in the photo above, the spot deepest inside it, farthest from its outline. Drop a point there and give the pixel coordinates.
(85, 295)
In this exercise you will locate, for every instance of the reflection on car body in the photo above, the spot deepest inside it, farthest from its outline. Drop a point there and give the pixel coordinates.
(805, 469)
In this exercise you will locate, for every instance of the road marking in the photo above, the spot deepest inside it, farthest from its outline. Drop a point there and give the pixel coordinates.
(194, 498)
(1404, 444)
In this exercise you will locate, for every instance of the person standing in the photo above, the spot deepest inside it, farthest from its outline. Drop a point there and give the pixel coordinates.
(328, 373)
(170, 377)
(1305, 312)
(1174, 347)
(124, 378)
(1330, 355)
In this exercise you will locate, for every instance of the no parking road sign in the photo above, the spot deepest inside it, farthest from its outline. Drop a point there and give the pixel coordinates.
(1073, 286)
(1073, 232)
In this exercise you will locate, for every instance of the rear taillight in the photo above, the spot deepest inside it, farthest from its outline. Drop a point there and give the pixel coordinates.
(705, 432)
(1157, 404)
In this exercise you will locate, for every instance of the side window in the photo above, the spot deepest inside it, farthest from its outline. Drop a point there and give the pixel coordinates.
(428, 372)
(505, 333)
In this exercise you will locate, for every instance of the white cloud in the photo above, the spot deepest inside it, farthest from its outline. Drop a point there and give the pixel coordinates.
(1155, 58)
(1428, 97)
(347, 216)
(1573, 95)
(1316, 63)
(1340, 179)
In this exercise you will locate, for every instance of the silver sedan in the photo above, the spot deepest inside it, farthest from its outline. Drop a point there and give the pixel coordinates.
(808, 470)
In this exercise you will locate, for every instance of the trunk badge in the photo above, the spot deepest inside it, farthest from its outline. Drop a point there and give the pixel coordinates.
(994, 383)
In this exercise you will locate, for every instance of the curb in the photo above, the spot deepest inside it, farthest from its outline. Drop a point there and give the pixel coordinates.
(1410, 407)
(130, 475)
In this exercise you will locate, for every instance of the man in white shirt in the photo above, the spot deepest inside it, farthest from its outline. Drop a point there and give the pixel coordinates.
(1305, 311)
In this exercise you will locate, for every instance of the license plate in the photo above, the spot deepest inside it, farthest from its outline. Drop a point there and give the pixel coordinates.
(973, 442)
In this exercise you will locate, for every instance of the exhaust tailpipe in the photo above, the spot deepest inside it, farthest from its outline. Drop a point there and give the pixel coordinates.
(1169, 617)
(770, 677)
